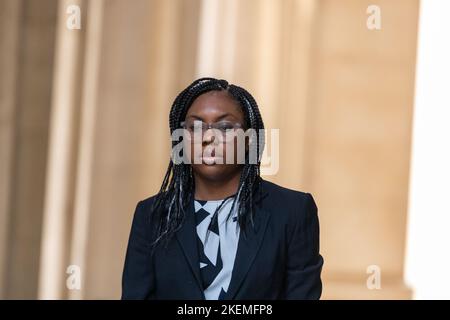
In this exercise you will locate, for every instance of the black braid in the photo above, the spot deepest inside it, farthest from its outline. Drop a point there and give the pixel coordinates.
(168, 209)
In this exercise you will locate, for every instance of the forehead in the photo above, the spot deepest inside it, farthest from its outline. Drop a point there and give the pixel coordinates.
(215, 102)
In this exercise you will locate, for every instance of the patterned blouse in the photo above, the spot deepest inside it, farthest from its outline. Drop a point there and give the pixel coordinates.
(217, 248)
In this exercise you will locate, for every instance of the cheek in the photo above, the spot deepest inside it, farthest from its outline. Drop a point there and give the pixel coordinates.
(188, 149)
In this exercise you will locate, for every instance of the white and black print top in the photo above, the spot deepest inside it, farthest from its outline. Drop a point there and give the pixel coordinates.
(217, 255)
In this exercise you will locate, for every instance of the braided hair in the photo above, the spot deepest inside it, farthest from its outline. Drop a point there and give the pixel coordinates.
(168, 209)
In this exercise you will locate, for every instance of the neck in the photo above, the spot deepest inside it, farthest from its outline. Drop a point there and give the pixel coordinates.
(216, 189)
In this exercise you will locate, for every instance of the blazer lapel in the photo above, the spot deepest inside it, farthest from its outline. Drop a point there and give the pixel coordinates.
(187, 238)
(247, 249)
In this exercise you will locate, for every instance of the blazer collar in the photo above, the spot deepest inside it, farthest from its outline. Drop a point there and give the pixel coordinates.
(248, 246)
(187, 238)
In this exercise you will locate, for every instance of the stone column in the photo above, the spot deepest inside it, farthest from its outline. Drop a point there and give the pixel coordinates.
(58, 205)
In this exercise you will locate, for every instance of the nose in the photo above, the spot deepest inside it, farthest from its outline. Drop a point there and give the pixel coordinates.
(208, 137)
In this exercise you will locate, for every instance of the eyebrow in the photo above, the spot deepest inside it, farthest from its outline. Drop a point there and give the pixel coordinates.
(224, 115)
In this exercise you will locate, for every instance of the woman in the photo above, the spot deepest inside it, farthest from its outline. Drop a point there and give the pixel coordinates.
(216, 229)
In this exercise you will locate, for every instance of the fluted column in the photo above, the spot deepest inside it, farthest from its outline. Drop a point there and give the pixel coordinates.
(28, 59)
(9, 49)
(61, 157)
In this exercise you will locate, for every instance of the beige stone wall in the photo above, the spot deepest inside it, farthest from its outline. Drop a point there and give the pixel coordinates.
(84, 131)
(360, 142)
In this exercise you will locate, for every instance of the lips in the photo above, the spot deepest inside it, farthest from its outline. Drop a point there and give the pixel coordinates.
(209, 160)
(209, 157)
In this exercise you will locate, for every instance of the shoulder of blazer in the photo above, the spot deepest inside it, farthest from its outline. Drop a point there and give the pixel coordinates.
(142, 214)
(278, 194)
(287, 204)
(147, 202)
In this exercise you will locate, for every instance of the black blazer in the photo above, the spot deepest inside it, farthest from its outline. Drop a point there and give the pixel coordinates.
(279, 259)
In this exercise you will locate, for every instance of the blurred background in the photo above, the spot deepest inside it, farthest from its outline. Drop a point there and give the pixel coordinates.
(359, 91)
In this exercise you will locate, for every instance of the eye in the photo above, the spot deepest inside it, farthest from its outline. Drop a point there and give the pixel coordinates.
(225, 125)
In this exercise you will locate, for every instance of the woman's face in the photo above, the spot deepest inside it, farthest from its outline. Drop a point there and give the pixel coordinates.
(208, 148)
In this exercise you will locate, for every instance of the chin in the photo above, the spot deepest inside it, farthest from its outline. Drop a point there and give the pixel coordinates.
(213, 171)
